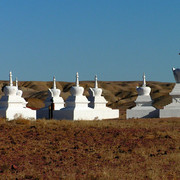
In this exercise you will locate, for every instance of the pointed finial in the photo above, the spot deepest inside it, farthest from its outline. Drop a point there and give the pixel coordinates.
(96, 83)
(10, 79)
(54, 82)
(77, 79)
(17, 83)
(144, 80)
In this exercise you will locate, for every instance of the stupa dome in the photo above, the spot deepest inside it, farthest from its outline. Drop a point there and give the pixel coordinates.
(144, 90)
(10, 90)
(96, 91)
(176, 72)
(77, 90)
(55, 92)
(19, 92)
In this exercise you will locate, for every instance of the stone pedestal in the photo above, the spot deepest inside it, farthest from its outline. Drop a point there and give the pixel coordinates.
(13, 105)
(143, 108)
(173, 109)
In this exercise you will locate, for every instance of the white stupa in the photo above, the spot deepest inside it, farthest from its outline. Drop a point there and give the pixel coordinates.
(76, 105)
(173, 109)
(13, 105)
(143, 108)
(53, 102)
(98, 103)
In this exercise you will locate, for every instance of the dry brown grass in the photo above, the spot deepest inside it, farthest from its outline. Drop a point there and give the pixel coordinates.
(108, 149)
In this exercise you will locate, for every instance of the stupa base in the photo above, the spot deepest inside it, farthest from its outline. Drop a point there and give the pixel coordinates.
(85, 114)
(166, 113)
(142, 113)
(12, 113)
(74, 114)
(43, 113)
(106, 113)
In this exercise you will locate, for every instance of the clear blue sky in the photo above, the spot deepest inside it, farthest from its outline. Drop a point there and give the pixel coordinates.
(116, 39)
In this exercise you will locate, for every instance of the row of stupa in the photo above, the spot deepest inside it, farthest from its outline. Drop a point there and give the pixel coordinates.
(79, 107)
(76, 107)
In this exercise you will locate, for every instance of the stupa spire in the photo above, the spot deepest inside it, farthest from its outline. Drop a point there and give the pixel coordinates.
(54, 82)
(96, 82)
(144, 80)
(10, 79)
(77, 79)
(17, 83)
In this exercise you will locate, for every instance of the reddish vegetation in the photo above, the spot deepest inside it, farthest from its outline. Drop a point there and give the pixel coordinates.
(108, 149)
